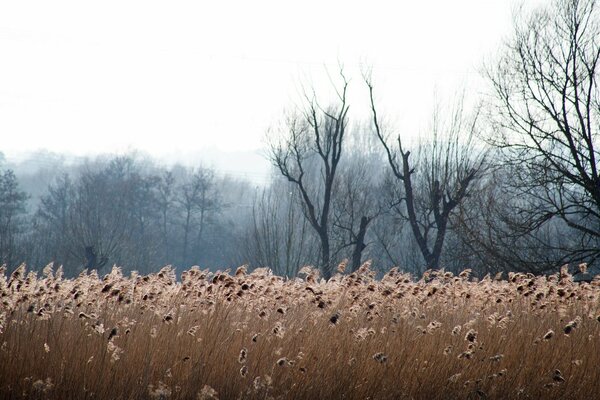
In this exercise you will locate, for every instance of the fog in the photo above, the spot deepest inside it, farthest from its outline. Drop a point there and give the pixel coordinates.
(422, 136)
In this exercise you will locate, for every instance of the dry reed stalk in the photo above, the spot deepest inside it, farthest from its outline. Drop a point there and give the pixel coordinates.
(216, 335)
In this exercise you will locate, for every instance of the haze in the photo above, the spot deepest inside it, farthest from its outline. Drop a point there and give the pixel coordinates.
(183, 79)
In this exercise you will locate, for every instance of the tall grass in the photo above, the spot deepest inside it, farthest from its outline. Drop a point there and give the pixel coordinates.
(258, 336)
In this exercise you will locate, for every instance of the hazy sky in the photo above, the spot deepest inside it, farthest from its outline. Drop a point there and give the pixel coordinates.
(174, 77)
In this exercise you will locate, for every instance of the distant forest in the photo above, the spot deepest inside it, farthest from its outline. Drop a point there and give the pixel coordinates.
(508, 182)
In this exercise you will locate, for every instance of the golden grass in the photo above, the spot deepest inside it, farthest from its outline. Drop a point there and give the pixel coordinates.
(258, 336)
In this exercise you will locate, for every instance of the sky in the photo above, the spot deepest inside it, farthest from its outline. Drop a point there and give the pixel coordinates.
(181, 78)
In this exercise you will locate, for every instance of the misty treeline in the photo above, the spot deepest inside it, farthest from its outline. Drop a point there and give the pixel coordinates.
(506, 182)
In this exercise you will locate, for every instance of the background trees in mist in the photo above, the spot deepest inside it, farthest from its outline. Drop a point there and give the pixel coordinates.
(510, 184)
(277, 234)
(125, 210)
(12, 213)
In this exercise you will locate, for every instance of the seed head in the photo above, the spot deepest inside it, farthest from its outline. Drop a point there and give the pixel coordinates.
(243, 355)
(113, 333)
(549, 334)
(282, 361)
(557, 377)
(241, 271)
(342, 266)
(335, 318)
(207, 393)
(471, 335)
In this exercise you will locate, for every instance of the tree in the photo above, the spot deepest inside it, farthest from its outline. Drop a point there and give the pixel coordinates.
(278, 235)
(165, 201)
(52, 222)
(491, 235)
(352, 217)
(99, 219)
(547, 109)
(357, 197)
(315, 135)
(438, 180)
(198, 199)
(143, 243)
(105, 215)
(12, 210)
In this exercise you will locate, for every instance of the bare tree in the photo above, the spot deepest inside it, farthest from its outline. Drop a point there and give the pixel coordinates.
(12, 211)
(314, 135)
(438, 180)
(357, 201)
(107, 214)
(198, 198)
(98, 217)
(52, 223)
(165, 201)
(278, 235)
(144, 237)
(547, 111)
(491, 233)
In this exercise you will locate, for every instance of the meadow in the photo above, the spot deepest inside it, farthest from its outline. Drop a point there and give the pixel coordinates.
(241, 335)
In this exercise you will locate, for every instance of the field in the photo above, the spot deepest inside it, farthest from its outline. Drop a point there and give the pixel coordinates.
(253, 335)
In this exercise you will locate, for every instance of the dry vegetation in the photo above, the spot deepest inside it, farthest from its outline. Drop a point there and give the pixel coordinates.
(256, 335)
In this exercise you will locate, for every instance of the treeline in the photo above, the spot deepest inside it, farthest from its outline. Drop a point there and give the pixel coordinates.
(121, 210)
(508, 184)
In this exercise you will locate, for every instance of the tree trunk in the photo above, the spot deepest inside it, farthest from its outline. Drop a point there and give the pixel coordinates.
(186, 233)
(325, 255)
(360, 244)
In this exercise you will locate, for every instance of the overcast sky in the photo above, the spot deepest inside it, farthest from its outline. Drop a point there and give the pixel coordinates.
(176, 77)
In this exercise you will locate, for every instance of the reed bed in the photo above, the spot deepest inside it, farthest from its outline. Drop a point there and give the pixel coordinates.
(239, 335)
